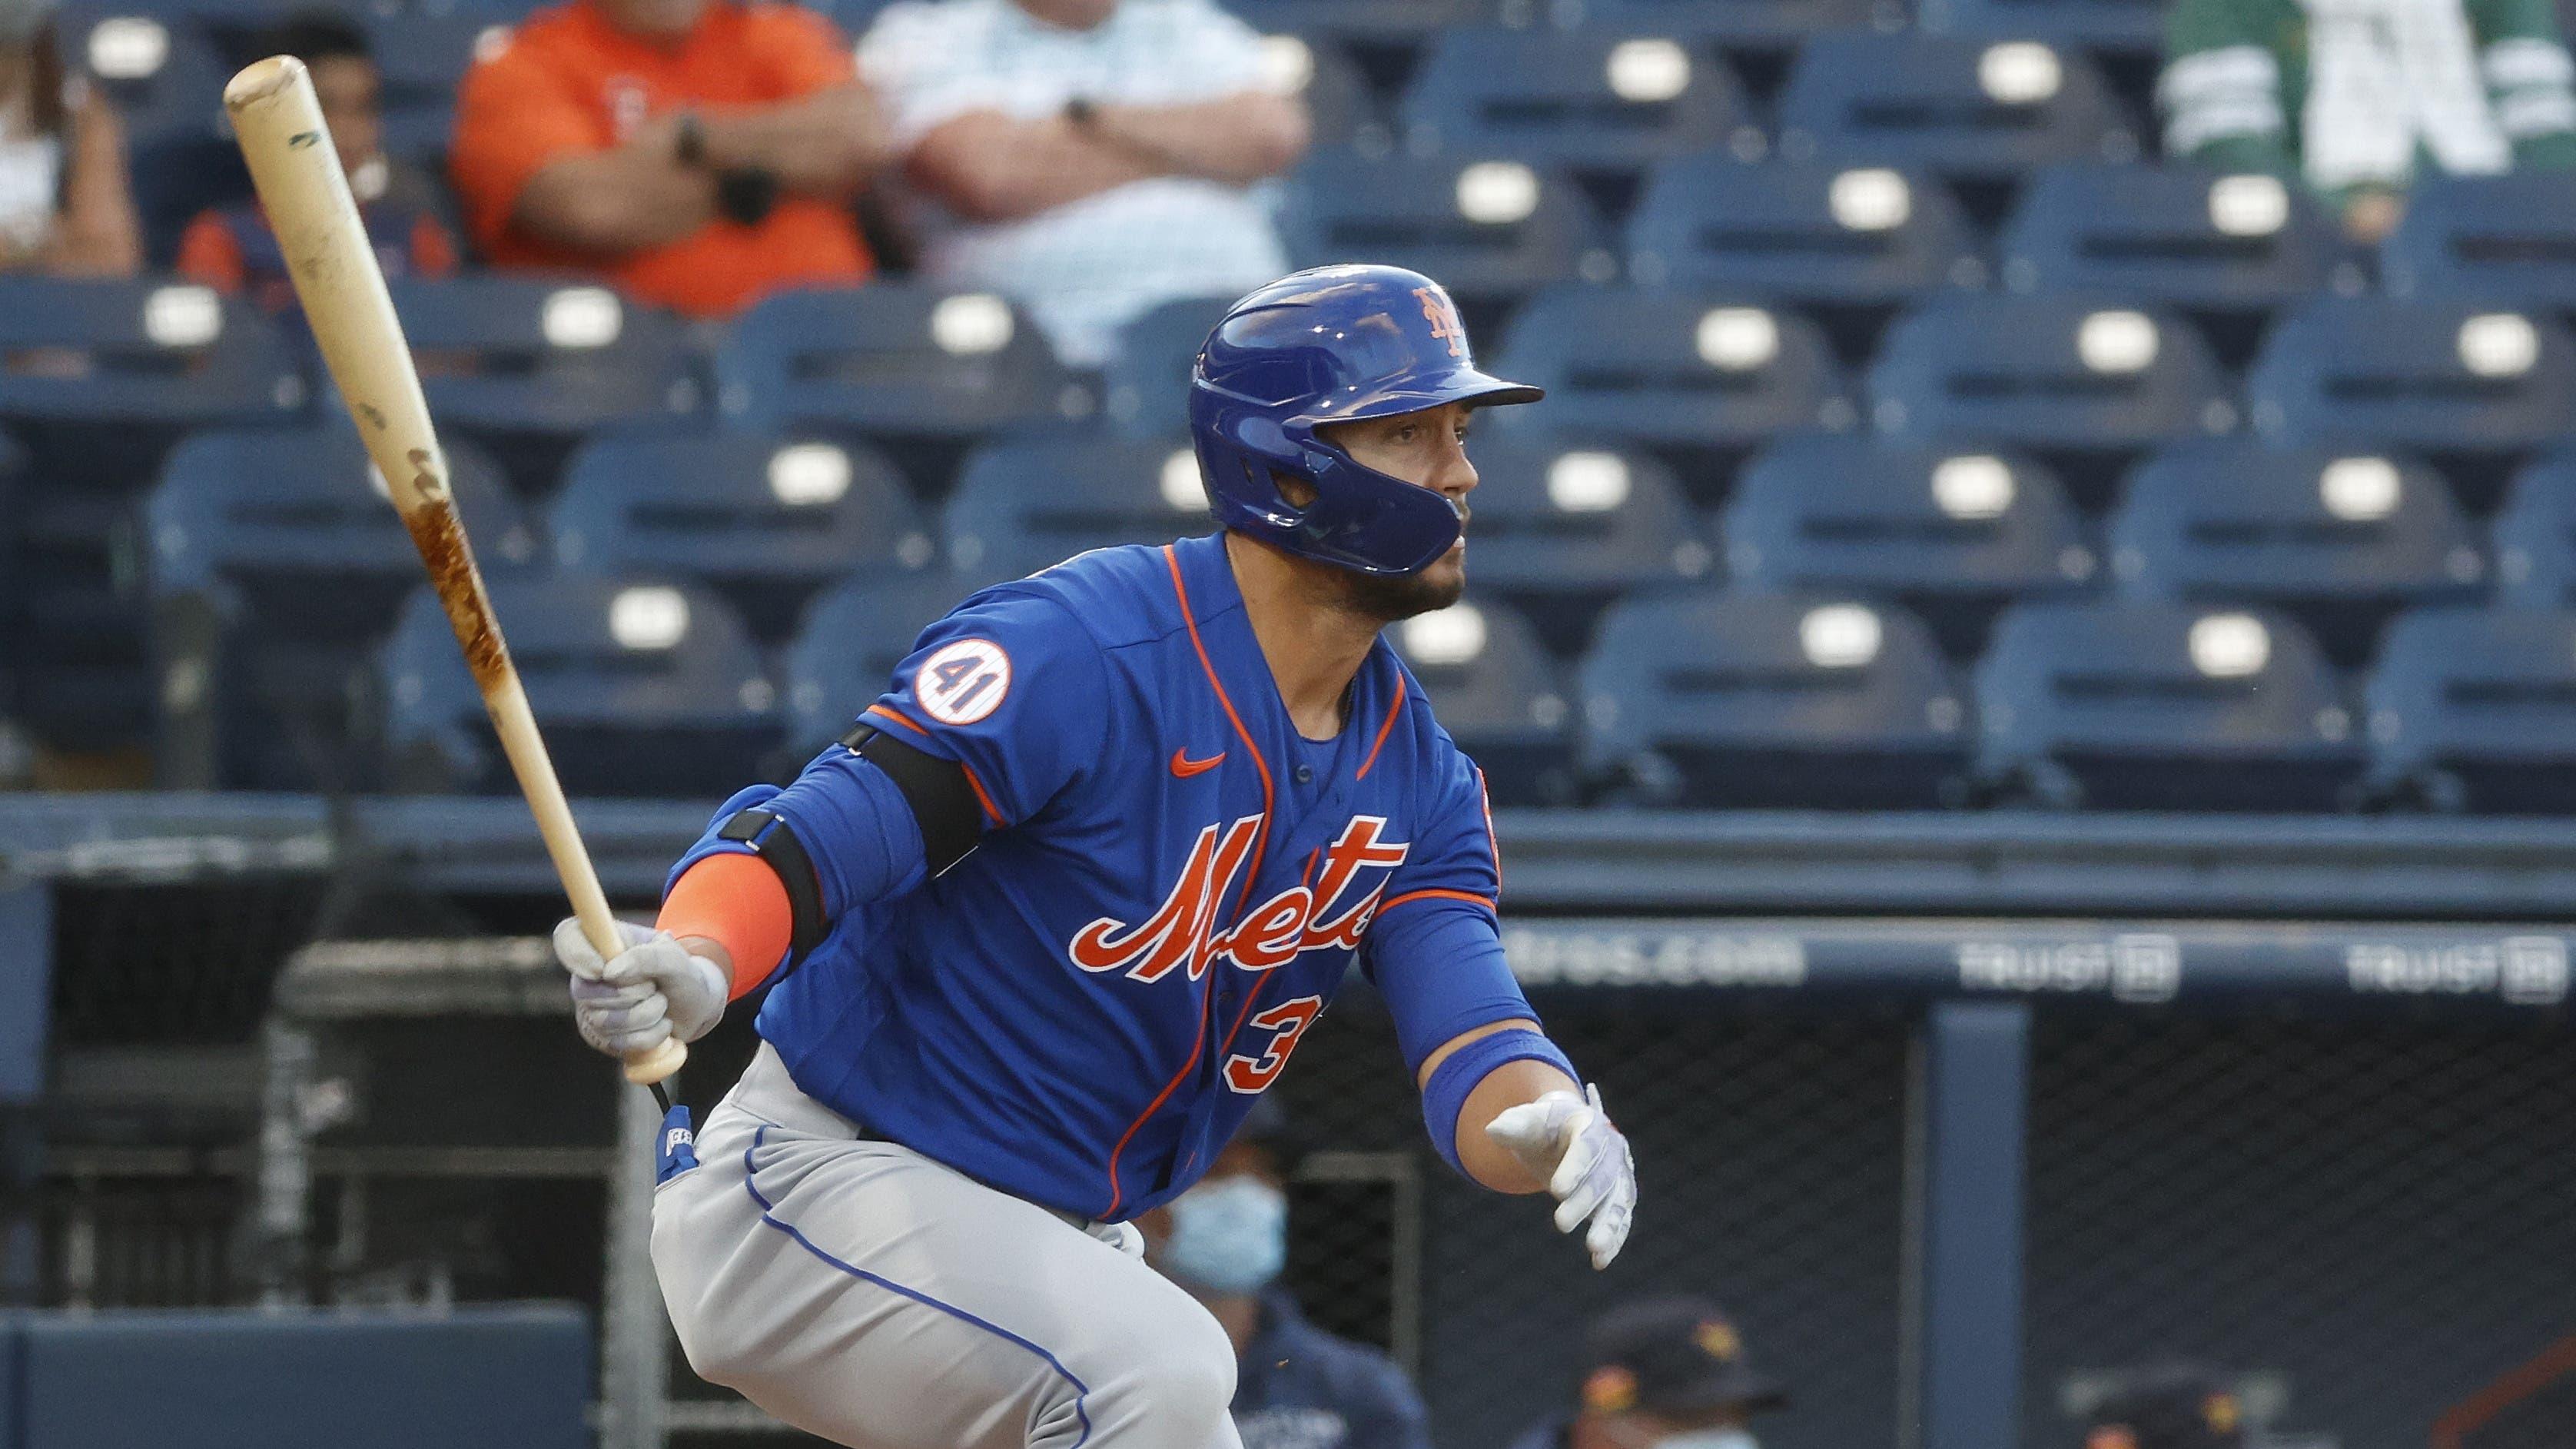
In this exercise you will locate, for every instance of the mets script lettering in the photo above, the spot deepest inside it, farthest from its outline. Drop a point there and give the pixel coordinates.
(1183, 933)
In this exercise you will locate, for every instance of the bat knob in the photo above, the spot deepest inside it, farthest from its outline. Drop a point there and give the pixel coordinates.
(656, 1064)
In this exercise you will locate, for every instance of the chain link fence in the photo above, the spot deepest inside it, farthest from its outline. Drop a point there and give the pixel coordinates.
(2365, 1216)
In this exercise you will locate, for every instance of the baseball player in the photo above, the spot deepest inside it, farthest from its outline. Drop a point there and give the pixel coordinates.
(1046, 924)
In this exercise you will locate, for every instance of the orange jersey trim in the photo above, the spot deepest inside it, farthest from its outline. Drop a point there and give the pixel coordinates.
(983, 797)
(1383, 730)
(1437, 895)
(738, 902)
(898, 717)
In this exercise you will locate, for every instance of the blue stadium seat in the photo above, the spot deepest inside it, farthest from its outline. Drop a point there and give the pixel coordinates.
(1950, 105)
(527, 365)
(247, 532)
(1499, 695)
(1773, 700)
(766, 522)
(1371, 21)
(1490, 230)
(2534, 534)
(2173, 235)
(2508, 238)
(1687, 371)
(2338, 541)
(920, 368)
(2423, 375)
(642, 688)
(1807, 230)
(1590, 100)
(1022, 507)
(2475, 709)
(2046, 372)
(1952, 533)
(1736, 24)
(1146, 387)
(2156, 706)
(2125, 27)
(1562, 530)
(848, 644)
(422, 57)
(160, 64)
(102, 376)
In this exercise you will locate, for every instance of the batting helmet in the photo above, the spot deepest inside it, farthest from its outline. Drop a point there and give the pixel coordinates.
(1332, 345)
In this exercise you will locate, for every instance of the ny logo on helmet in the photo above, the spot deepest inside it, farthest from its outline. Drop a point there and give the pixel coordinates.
(1183, 932)
(1444, 319)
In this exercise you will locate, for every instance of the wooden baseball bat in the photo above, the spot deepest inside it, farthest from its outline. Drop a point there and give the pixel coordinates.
(301, 187)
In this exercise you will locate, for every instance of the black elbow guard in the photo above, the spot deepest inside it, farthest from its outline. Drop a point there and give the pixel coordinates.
(774, 841)
(943, 803)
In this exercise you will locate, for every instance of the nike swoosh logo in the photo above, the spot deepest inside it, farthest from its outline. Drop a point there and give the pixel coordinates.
(1183, 766)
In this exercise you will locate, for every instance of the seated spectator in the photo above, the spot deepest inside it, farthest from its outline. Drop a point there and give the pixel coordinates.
(2378, 87)
(1296, 1386)
(1090, 158)
(65, 204)
(699, 153)
(1661, 1372)
(231, 248)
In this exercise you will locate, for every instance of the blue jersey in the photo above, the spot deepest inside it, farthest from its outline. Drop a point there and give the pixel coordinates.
(1170, 887)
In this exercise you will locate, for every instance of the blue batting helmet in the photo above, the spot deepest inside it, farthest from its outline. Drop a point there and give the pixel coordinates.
(1332, 345)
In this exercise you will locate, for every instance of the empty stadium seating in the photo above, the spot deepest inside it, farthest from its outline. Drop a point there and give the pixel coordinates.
(1815, 231)
(1588, 99)
(1492, 230)
(275, 563)
(1957, 106)
(1952, 533)
(2171, 235)
(1020, 507)
(2438, 376)
(2158, 706)
(529, 365)
(1735, 24)
(2476, 709)
(642, 688)
(1500, 696)
(1560, 531)
(1146, 389)
(1721, 699)
(2509, 238)
(767, 522)
(2534, 534)
(2337, 541)
(1697, 376)
(921, 369)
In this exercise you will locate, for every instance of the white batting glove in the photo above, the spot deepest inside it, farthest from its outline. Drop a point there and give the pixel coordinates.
(647, 993)
(1569, 1140)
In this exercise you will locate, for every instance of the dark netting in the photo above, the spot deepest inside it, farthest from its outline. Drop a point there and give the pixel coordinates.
(2376, 1213)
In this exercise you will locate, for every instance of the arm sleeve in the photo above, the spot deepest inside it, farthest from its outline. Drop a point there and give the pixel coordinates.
(1435, 946)
(1013, 690)
(2221, 89)
(2531, 82)
(513, 115)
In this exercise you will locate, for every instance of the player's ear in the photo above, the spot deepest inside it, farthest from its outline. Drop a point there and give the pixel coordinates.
(1298, 492)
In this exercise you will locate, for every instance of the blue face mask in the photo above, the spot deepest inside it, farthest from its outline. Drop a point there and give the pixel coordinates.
(1229, 1236)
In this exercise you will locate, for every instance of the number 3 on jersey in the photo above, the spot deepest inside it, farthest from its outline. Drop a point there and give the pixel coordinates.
(1287, 1021)
(963, 682)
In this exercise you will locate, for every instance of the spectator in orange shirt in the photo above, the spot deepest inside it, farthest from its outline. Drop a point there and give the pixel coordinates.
(231, 248)
(700, 153)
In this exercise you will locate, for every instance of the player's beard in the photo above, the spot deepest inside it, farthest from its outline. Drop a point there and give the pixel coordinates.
(1389, 598)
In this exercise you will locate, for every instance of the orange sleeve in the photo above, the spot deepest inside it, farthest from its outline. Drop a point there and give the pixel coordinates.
(514, 114)
(209, 254)
(799, 51)
(433, 251)
(736, 901)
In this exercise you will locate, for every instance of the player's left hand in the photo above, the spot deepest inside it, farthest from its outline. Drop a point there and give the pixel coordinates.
(651, 990)
(1569, 1141)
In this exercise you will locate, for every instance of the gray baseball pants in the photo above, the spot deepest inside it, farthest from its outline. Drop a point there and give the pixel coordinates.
(867, 1294)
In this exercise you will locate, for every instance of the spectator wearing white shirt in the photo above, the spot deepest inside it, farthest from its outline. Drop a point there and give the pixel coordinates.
(1089, 158)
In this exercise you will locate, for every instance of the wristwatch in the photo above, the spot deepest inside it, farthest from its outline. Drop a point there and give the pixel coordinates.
(746, 194)
(689, 140)
(1081, 113)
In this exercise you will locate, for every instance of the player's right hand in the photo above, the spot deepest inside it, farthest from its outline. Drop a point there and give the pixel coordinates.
(648, 992)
